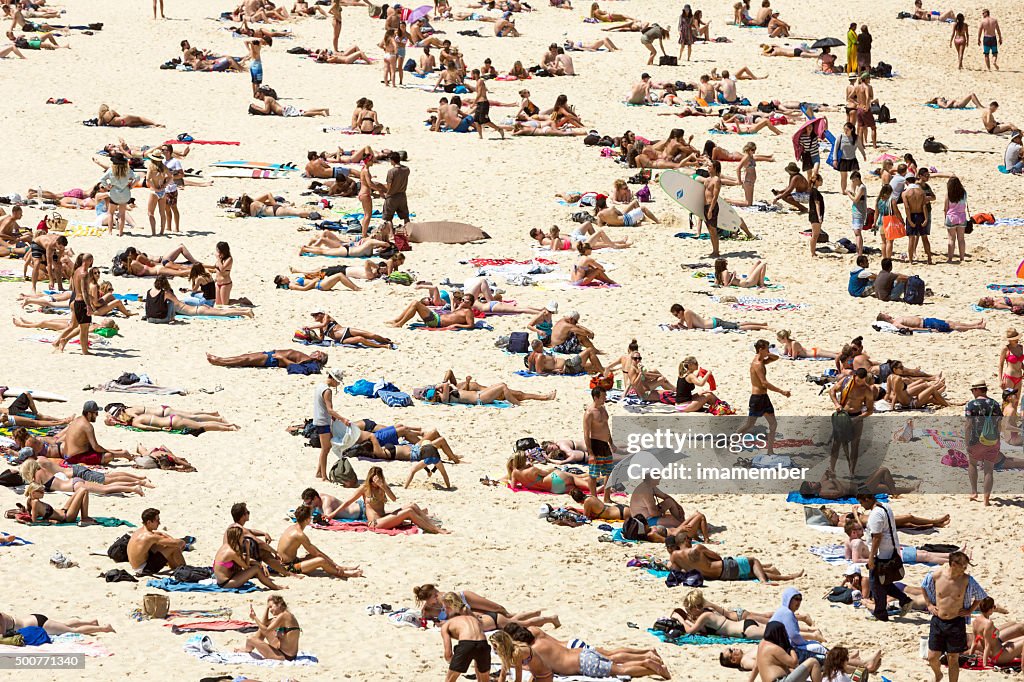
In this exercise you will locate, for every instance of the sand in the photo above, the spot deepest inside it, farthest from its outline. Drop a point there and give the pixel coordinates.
(498, 546)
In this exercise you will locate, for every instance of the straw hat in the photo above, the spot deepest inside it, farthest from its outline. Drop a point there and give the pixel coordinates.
(1012, 334)
(157, 156)
(979, 384)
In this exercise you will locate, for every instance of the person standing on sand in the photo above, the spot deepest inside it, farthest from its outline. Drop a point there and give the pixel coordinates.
(161, 9)
(712, 189)
(760, 404)
(982, 416)
(865, 119)
(951, 595)
(597, 438)
(323, 414)
(882, 546)
(851, 48)
(959, 39)
(335, 13)
(482, 107)
(990, 38)
(864, 50)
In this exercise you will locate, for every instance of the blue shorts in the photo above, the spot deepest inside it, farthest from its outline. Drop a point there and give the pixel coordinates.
(464, 124)
(339, 172)
(415, 455)
(322, 428)
(256, 71)
(936, 324)
(387, 436)
(908, 554)
(991, 45)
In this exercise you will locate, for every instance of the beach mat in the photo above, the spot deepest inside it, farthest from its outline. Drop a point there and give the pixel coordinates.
(363, 527)
(212, 626)
(795, 496)
(444, 232)
(104, 521)
(172, 585)
(701, 640)
(479, 325)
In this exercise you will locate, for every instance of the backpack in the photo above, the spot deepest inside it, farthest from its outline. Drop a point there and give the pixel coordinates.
(581, 217)
(643, 194)
(989, 433)
(403, 278)
(192, 574)
(518, 342)
(592, 140)
(840, 595)
(343, 472)
(117, 265)
(635, 528)
(11, 478)
(882, 70)
(118, 551)
(524, 444)
(914, 291)
(364, 449)
(668, 60)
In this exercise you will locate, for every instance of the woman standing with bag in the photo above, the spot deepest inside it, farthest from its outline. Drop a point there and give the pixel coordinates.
(889, 219)
(956, 218)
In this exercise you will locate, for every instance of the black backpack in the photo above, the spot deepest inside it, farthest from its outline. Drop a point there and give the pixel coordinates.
(913, 293)
(119, 550)
(11, 478)
(518, 342)
(840, 595)
(192, 574)
(635, 528)
(668, 60)
(525, 444)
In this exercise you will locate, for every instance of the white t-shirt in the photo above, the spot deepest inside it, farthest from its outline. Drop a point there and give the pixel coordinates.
(898, 182)
(174, 166)
(1012, 155)
(320, 414)
(878, 524)
(839, 676)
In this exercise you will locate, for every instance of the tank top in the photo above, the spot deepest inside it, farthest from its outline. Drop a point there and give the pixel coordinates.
(956, 214)
(209, 290)
(684, 391)
(320, 415)
(156, 306)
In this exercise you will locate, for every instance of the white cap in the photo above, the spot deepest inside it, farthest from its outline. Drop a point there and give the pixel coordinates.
(544, 510)
(852, 569)
(552, 306)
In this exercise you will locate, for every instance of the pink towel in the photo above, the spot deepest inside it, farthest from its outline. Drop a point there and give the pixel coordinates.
(211, 626)
(363, 527)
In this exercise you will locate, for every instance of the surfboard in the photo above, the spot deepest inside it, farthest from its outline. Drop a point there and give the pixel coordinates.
(12, 391)
(689, 193)
(257, 173)
(833, 150)
(444, 232)
(264, 165)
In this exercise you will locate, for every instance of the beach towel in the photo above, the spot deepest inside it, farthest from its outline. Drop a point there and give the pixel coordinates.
(479, 325)
(500, 404)
(172, 585)
(83, 230)
(665, 327)
(760, 304)
(68, 643)
(701, 640)
(1007, 288)
(364, 527)
(932, 105)
(105, 521)
(395, 398)
(527, 373)
(16, 542)
(201, 142)
(483, 262)
(127, 297)
(209, 317)
(800, 499)
(212, 626)
(126, 427)
(830, 554)
(1012, 222)
(148, 389)
(202, 647)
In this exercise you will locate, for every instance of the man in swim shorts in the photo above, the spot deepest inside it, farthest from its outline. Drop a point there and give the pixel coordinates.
(915, 203)
(914, 323)
(268, 358)
(460, 318)
(150, 550)
(684, 556)
(990, 37)
(760, 405)
(597, 436)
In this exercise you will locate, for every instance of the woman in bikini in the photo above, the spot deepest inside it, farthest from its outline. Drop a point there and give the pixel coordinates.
(730, 123)
(586, 233)
(327, 328)
(266, 205)
(603, 17)
(794, 350)
(190, 309)
(52, 476)
(527, 109)
(335, 13)
(109, 117)
(915, 393)
(641, 155)
(428, 600)
(587, 270)
(330, 244)
(278, 636)
(521, 473)
(902, 520)
(958, 39)
(595, 508)
(715, 153)
(222, 272)
(448, 393)
(52, 627)
(118, 414)
(41, 446)
(1011, 363)
(997, 646)
(368, 123)
(320, 283)
(695, 606)
(164, 411)
(746, 173)
(232, 566)
(157, 180)
(517, 655)
(562, 114)
(140, 265)
(455, 603)
(390, 46)
(375, 492)
(755, 278)
(41, 512)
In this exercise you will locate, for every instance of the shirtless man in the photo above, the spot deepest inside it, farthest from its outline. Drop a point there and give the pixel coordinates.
(641, 91)
(726, 89)
(10, 231)
(294, 539)
(915, 323)
(318, 167)
(258, 541)
(539, 362)
(270, 358)
(426, 64)
(597, 436)
(687, 319)
(630, 215)
(482, 107)
(865, 119)
(760, 404)
(328, 507)
(661, 509)
(775, 664)
(590, 661)
(151, 550)
(856, 397)
(47, 254)
(951, 595)
(915, 203)
(991, 38)
(706, 89)
(683, 556)
(712, 189)
(79, 439)
(988, 119)
(568, 336)
(460, 318)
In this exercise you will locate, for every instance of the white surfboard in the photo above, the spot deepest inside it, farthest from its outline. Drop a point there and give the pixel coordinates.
(689, 193)
(13, 391)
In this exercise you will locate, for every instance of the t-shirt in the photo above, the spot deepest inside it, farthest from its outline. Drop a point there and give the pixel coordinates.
(398, 180)
(879, 519)
(653, 33)
(848, 147)
(859, 281)
(1011, 155)
(839, 676)
(175, 168)
(864, 43)
(884, 282)
(815, 205)
(320, 415)
(979, 411)
(898, 183)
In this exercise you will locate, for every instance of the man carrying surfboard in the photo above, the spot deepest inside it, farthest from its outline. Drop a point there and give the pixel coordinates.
(712, 188)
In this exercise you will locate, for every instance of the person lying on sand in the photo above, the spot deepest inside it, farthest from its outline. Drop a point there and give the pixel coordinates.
(746, 659)
(695, 607)
(794, 350)
(902, 520)
(349, 56)
(329, 507)
(539, 362)
(109, 117)
(467, 391)
(327, 328)
(687, 319)
(10, 622)
(587, 662)
(955, 102)
(568, 451)
(320, 246)
(831, 488)
(730, 123)
(520, 472)
(265, 205)
(585, 233)
(916, 393)
(52, 477)
(318, 283)
(267, 105)
(630, 215)
(139, 264)
(151, 422)
(294, 538)
(782, 51)
(594, 507)
(270, 358)
(856, 550)
(683, 556)
(916, 323)
(460, 317)
(375, 493)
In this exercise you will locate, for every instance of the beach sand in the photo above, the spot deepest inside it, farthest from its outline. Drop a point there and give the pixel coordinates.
(498, 546)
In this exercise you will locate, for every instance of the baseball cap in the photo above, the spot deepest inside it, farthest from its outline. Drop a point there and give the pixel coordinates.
(852, 569)
(90, 406)
(544, 510)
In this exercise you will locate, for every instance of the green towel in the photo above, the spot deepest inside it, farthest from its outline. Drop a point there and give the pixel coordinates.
(105, 521)
(133, 428)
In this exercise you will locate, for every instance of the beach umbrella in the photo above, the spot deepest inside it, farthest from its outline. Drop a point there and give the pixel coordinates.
(418, 14)
(820, 128)
(1020, 270)
(827, 42)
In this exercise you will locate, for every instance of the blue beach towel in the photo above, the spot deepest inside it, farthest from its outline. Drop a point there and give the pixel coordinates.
(797, 497)
(702, 640)
(16, 542)
(527, 373)
(500, 404)
(395, 398)
(691, 235)
(172, 585)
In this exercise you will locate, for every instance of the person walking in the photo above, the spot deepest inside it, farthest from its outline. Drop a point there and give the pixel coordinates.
(951, 595)
(883, 549)
(990, 38)
(324, 414)
(983, 417)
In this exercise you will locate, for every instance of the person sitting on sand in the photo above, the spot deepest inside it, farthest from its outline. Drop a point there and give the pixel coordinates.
(856, 550)
(375, 492)
(916, 323)
(794, 350)
(460, 317)
(683, 556)
(645, 385)
(78, 441)
(998, 646)
(278, 635)
(326, 328)
(687, 319)
(118, 415)
(586, 270)
(269, 106)
(755, 278)
(595, 508)
(520, 473)
(51, 476)
(661, 509)
(294, 538)
(539, 362)
(630, 215)
(162, 305)
(569, 336)
(109, 117)
(150, 550)
(270, 358)
(41, 512)
(955, 102)
(233, 566)
(9, 622)
(796, 191)
(915, 394)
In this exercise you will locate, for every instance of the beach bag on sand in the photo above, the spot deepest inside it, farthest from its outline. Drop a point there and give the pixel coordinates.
(526, 444)
(192, 574)
(518, 342)
(56, 222)
(343, 472)
(668, 60)
(156, 605)
(401, 239)
(11, 478)
(890, 570)
(913, 292)
(840, 595)
(118, 551)
(635, 528)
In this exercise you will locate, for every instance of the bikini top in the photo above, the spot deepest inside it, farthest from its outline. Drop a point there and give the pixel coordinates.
(1014, 359)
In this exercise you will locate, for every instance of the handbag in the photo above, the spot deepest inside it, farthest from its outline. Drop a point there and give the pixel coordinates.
(893, 227)
(56, 222)
(890, 570)
(156, 605)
